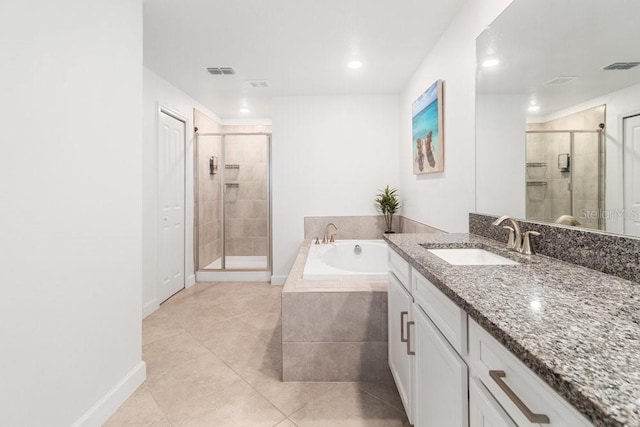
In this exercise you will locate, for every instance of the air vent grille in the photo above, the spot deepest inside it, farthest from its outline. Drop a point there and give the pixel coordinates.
(621, 66)
(258, 83)
(560, 80)
(219, 71)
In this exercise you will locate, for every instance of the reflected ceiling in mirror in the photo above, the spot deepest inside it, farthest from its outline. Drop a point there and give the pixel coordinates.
(542, 65)
(554, 51)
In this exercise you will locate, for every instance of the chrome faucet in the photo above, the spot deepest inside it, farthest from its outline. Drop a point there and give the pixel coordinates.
(517, 241)
(329, 238)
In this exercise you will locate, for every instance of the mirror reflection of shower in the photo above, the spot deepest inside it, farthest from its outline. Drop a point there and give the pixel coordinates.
(233, 230)
(565, 170)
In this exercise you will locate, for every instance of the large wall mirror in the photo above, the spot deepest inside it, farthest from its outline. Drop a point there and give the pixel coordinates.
(558, 114)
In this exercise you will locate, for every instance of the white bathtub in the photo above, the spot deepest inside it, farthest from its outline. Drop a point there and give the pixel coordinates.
(339, 261)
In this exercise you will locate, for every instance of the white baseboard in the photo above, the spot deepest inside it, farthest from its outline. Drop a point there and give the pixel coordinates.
(191, 280)
(109, 403)
(233, 276)
(278, 280)
(150, 307)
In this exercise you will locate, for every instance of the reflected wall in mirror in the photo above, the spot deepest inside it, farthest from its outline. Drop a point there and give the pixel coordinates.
(558, 114)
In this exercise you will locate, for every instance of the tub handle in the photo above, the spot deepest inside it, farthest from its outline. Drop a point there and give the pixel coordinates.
(357, 249)
(409, 352)
(402, 314)
(317, 242)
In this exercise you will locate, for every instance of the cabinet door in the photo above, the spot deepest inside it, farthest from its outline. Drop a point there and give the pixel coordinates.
(399, 309)
(484, 409)
(440, 380)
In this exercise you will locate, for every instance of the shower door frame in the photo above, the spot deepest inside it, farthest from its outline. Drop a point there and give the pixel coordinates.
(221, 165)
(601, 166)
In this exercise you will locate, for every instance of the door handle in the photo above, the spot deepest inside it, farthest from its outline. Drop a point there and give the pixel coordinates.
(402, 314)
(409, 352)
(497, 376)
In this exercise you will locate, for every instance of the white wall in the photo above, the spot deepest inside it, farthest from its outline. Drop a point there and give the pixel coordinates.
(330, 156)
(500, 153)
(619, 104)
(444, 200)
(70, 333)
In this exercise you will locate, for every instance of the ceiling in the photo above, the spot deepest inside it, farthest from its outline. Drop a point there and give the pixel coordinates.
(301, 47)
(539, 40)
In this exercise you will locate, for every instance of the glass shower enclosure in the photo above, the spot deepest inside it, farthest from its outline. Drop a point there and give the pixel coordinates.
(233, 210)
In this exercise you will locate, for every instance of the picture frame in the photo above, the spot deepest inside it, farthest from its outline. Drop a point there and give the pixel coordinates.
(428, 130)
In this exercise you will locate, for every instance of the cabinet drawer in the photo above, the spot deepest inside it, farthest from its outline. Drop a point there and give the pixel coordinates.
(450, 319)
(484, 411)
(509, 380)
(401, 268)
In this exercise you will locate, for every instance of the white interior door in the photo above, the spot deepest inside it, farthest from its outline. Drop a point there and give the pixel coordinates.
(171, 196)
(632, 176)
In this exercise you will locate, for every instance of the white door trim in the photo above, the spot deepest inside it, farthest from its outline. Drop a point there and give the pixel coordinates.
(171, 112)
(626, 186)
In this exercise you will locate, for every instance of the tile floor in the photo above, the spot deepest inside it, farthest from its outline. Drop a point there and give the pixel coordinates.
(214, 357)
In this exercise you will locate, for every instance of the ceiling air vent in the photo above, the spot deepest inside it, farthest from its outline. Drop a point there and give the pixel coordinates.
(258, 83)
(219, 71)
(621, 65)
(560, 80)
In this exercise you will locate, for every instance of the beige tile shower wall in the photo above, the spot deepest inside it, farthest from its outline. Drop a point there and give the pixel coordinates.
(208, 222)
(246, 205)
(547, 203)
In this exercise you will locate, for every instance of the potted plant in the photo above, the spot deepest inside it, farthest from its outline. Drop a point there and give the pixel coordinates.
(387, 203)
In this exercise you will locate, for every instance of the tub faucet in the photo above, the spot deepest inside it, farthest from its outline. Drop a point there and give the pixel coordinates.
(515, 236)
(326, 238)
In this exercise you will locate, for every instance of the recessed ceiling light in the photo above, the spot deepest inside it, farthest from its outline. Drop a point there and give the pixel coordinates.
(355, 64)
(244, 110)
(533, 108)
(490, 62)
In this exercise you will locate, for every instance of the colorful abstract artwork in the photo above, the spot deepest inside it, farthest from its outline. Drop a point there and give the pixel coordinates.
(428, 138)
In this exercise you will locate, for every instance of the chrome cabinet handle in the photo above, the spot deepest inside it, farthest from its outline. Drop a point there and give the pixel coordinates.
(402, 314)
(409, 352)
(497, 376)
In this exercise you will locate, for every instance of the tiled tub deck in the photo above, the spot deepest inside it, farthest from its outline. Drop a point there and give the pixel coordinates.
(333, 330)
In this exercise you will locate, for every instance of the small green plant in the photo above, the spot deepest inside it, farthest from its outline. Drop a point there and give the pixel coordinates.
(388, 203)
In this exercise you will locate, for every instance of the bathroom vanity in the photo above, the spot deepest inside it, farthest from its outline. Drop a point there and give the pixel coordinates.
(540, 342)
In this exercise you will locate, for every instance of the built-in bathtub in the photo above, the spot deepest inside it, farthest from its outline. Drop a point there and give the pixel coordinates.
(334, 313)
(347, 260)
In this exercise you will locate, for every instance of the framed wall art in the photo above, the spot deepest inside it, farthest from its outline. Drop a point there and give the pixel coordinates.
(428, 137)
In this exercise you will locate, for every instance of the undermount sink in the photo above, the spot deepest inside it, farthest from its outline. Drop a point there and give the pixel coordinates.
(471, 256)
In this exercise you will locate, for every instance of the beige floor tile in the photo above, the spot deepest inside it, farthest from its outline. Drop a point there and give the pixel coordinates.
(289, 397)
(348, 406)
(139, 410)
(387, 392)
(238, 406)
(200, 344)
(170, 352)
(157, 327)
(182, 390)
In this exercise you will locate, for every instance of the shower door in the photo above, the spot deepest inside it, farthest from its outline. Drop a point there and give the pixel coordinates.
(565, 176)
(246, 202)
(233, 204)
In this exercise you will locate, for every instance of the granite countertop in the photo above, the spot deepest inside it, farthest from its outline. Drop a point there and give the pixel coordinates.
(577, 328)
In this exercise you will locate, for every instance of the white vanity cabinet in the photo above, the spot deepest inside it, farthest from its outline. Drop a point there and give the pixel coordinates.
(451, 372)
(484, 410)
(526, 399)
(441, 378)
(400, 313)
